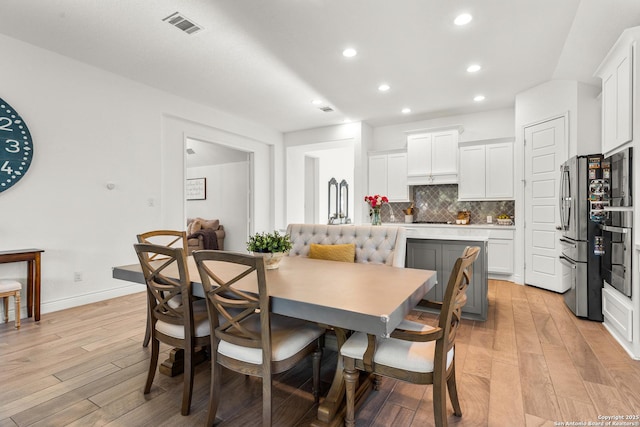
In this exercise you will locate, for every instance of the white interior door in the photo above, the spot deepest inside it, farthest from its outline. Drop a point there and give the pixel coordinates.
(545, 149)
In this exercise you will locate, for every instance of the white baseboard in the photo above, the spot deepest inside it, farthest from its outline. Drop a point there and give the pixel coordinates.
(63, 304)
(51, 306)
(623, 343)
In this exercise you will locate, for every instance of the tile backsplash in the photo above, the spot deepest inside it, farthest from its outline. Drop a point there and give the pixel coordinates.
(440, 203)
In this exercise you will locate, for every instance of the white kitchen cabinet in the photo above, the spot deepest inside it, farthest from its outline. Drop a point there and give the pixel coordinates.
(616, 72)
(471, 178)
(501, 250)
(388, 176)
(433, 157)
(486, 171)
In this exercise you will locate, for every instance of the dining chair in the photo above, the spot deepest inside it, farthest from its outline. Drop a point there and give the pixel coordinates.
(173, 319)
(415, 352)
(246, 337)
(11, 288)
(170, 239)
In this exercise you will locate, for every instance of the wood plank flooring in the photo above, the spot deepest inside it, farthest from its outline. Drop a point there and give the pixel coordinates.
(532, 363)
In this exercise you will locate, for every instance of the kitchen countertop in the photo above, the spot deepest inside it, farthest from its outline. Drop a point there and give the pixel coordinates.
(470, 232)
(424, 225)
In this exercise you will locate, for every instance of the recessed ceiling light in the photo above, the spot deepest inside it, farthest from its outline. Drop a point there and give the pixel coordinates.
(463, 19)
(316, 102)
(349, 52)
(384, 87)
(478, 98)
(473, 68)
(406, 110)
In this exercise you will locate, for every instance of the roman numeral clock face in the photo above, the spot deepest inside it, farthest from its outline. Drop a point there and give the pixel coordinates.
(16, 147)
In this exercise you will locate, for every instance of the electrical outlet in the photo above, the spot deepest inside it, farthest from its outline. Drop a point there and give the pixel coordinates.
(77, 276)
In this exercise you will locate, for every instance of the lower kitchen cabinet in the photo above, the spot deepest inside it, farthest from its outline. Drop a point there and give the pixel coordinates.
(440, 256)
(501, 250)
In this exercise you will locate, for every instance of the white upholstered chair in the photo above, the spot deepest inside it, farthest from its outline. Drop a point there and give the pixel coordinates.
(374, 244)
(246, 337)
(11, 288)
(169, 239)
(174, 321)
(415, 352)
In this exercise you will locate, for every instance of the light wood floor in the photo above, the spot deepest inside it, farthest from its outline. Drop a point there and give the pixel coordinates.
(530, 364)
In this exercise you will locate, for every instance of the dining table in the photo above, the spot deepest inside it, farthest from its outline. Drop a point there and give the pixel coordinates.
(364, 297)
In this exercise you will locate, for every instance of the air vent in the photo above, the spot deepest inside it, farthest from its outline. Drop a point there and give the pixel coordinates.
(326, 109)
(183, 23)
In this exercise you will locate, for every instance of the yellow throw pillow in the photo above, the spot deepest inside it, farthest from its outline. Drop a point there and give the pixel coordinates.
(344, 253)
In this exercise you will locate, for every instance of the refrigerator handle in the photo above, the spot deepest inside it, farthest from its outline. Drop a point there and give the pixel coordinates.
(622, 230)
(568, 242)
(567, 262)
(561, 200)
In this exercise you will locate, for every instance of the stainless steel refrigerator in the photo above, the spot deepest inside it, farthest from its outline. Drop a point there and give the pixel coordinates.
(582, 191)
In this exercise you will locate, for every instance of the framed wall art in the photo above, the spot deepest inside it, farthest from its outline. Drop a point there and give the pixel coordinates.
(197, 189)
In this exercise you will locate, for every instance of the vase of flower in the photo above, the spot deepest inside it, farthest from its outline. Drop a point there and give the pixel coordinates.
(375, 217)
(375, 204)
(270, 246)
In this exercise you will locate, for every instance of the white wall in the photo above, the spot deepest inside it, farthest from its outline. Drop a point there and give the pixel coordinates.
(484, 125)
(90, 127)
(227, 200)
(335, 163)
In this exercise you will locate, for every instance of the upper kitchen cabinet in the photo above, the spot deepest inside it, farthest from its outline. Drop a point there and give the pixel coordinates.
(486, 170)
(388, 175)
(433, 156)
(616, 72)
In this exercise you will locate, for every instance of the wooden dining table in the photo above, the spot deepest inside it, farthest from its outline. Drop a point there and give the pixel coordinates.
(369, 298)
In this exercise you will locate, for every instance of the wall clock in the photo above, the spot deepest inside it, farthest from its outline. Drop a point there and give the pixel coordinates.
(16, 146)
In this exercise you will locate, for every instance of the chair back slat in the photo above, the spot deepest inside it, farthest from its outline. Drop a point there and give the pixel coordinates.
(166, 238)
(231, 308)
(455, 298)
(169, 298)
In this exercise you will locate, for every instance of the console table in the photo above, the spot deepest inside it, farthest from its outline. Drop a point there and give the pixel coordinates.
(32, 257)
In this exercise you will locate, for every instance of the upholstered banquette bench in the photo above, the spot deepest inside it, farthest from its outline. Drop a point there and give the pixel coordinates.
(373, 244)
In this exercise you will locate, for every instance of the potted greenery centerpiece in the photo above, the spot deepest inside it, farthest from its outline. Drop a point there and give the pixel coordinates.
(271, 246)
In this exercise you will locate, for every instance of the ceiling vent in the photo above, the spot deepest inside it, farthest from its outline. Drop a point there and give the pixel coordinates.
(183, 23)
(326, 109)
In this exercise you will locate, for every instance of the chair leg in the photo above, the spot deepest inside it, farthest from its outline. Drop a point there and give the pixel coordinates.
(266, 399)
(350, 380)
(377, 381)
(317, 357)
(440, 402)
(188, 380)
(214, 392)
(153, 364)
(17, 310)
(453, 391)
(5, 304)
(147, 332)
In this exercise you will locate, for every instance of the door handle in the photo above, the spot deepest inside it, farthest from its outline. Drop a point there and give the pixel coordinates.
(558, 227)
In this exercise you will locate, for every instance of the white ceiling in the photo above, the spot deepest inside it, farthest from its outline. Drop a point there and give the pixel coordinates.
(265, 60)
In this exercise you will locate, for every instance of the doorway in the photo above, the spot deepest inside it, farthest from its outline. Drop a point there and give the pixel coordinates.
(226, 192)
(309, 169)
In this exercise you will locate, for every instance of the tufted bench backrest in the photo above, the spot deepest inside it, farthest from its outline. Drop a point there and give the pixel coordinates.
(374, 244)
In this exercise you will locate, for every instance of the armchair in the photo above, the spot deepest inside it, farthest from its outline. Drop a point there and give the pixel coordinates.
(204, 234)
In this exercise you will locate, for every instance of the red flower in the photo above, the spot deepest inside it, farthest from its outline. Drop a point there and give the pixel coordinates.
(376, 201)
